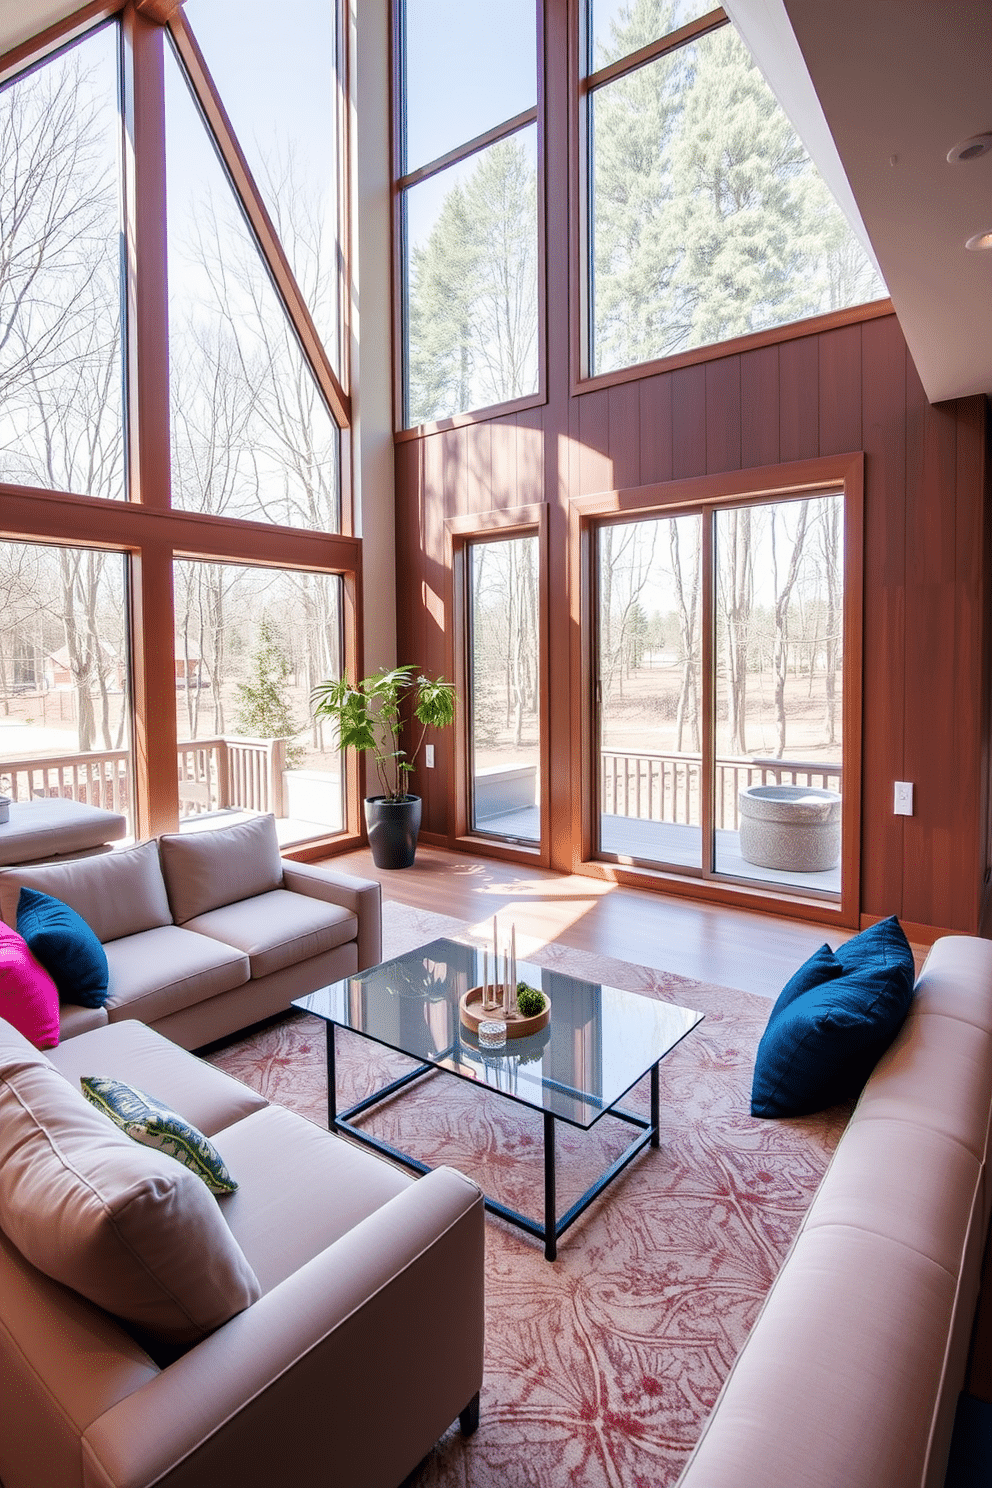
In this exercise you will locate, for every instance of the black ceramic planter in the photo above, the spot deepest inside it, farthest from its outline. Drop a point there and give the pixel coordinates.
(393, 828)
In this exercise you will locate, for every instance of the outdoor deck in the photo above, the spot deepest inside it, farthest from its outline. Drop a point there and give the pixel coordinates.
(668, 843)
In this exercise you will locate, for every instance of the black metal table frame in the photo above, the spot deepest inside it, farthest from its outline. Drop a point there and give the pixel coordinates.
(553, 1227)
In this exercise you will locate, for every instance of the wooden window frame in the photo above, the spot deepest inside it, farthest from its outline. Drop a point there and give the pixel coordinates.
(404, 180)
(146, 527)
(460, 534)
(583, 85)
(709, 493)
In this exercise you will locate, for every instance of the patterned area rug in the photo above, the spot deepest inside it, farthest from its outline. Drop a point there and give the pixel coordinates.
(602, 1367)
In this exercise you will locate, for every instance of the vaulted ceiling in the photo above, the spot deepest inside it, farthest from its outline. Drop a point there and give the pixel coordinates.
(880, 91)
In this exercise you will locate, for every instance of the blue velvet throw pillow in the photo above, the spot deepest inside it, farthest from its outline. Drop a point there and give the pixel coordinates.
(832, 1022)
(66, 947)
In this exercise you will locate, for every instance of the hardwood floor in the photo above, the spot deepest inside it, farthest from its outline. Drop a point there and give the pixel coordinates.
(732, 947)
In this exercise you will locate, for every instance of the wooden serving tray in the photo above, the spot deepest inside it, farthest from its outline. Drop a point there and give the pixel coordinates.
(517, 1026)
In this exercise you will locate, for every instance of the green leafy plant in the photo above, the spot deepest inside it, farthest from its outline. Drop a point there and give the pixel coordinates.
(529, 1000)
(370, 717)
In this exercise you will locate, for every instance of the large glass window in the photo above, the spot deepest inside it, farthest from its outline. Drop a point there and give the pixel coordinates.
(708, 220)
(251, 643)
(61, 425)
(287, 128)
(505, 688)
(468, 206)
(65, 709)
(735, 769)
(251, 434)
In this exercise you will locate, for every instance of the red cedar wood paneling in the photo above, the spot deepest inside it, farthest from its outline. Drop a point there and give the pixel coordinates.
(759, 407)
(595, 464)
(935, 869)
(655, 395)
(504, 466)
(530, 456)
(971, 714)
(723, 415)
(625, 434)
(840, 390)
(799, 405)
(884, 665)
(844, 389)
(689, 421)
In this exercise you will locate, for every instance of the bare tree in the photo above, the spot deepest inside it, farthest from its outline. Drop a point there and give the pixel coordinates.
(783, 598)
(735, 579)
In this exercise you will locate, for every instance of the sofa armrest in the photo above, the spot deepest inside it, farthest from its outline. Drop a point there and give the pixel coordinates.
(363, 896)
(348, 1371)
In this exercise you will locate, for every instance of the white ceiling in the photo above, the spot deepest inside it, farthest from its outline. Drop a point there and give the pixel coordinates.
(21, 19)
(879, 90)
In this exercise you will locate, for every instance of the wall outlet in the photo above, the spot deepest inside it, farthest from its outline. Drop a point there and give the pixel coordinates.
(903, 803)
(429, 756)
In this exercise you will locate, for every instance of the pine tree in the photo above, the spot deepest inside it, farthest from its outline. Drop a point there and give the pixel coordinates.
(264, 711)
(472, 312)
(710, 220)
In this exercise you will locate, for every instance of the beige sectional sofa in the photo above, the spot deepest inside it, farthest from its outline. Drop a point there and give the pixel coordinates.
(851, 1374)
(364, 1340)
(207, 932)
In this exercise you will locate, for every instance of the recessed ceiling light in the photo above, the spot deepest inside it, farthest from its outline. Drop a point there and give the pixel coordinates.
(979, 241)
(971, 149)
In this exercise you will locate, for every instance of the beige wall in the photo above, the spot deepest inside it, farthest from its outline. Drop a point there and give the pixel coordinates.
(371, 308)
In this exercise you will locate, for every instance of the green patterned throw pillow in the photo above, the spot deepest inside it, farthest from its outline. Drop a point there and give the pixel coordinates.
(149, 1121)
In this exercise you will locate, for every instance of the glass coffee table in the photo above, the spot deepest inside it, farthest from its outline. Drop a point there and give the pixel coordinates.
(599, 1043)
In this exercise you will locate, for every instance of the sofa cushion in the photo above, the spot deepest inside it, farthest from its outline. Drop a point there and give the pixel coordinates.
(204, 870)
(131, 1051)
(16, 1050)
(66, 947)
(29, 999)
(820, 1047)
(162, 971)
(116, 893)
(278, 929)
(301, 1189)
(135, 1232)
(154, 1124)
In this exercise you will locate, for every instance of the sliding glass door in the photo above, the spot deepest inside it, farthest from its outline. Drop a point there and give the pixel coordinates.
(504, 688)
(720, 691)
(650, 690)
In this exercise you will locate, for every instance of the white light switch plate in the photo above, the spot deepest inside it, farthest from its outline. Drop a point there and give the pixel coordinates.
(903, 803)
(429, 756)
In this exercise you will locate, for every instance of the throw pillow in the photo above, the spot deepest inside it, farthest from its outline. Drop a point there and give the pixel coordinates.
(148, 1121)
(130, 1229)
(821, 967)
(29, 999)
(66, 947)
(820, 1046)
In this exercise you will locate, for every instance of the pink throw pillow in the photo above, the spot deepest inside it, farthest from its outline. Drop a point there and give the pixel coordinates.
(29, 999)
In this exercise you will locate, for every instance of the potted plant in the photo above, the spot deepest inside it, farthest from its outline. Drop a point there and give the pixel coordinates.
(369, 717)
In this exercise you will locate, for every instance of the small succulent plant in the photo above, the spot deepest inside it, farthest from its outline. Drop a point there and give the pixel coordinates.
(530, 1001)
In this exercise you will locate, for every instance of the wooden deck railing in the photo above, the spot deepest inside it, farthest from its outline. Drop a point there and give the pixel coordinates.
(655, 786)
(97, 779)
(246, 774)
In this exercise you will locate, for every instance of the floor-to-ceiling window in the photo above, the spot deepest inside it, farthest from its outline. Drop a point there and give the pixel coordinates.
(174, 414)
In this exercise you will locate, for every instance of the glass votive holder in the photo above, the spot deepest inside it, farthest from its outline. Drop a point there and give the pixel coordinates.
(492, 1034)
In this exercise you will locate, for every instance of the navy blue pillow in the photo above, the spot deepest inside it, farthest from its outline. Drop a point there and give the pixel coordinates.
(821, 967)
(821, 1043)
(66, 947)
